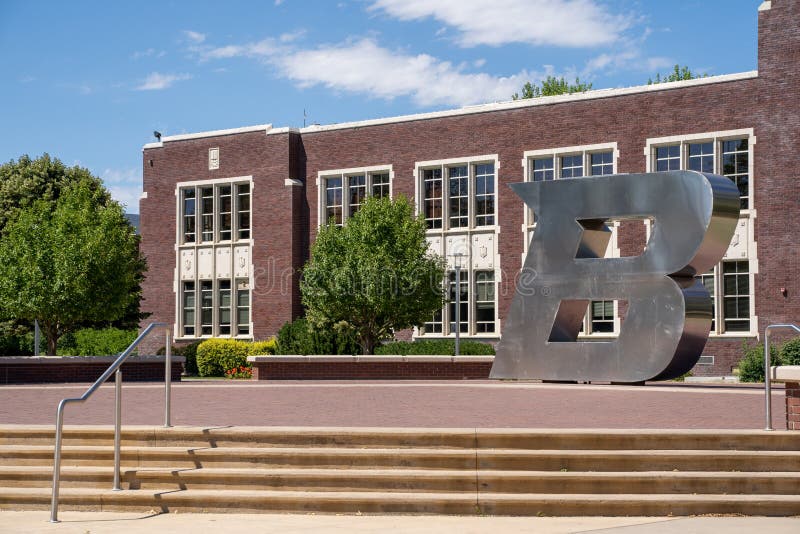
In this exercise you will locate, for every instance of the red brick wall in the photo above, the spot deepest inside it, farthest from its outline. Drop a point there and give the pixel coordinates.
(84, 371)
(370, 370)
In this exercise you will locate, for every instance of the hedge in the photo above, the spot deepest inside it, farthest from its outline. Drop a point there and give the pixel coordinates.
(299, 337)
(96, 342)
(434, 347)
(751, 367)
(215, 356)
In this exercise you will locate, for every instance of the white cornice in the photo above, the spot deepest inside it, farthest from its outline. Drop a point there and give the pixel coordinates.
(533, 102)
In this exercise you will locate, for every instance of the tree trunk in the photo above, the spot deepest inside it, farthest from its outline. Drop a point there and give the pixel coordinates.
(367, 344)
(51, 334)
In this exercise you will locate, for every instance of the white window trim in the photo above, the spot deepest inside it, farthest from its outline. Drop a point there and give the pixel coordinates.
(214, 245)
(750, 213)
(342, 173)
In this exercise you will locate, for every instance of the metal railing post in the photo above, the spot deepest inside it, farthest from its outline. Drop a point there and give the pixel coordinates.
(117, 426)
(767, 381)
(57, 462)
(168, 380)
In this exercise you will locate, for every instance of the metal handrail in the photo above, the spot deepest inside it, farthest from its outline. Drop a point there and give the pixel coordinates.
(767, 376)
(114, 368)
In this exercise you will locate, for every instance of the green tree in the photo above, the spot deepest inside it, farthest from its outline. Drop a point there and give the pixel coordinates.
(552, 86)
(69, 262)
(373, 275)
(678, 73)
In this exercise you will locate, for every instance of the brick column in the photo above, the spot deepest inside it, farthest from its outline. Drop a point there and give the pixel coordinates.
(793, 405)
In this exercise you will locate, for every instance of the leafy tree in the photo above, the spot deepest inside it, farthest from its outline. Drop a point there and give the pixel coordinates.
(68, 262)
(678, 73)
(27, 180)
(374, 275)
(552, 86)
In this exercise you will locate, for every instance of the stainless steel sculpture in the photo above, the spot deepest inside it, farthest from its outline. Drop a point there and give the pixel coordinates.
(669, 310)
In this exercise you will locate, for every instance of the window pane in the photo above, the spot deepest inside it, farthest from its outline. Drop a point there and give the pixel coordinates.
(357, 192)
(243, 213)
(735, 165)
(380, 185)
(484, 302)
(602, 163)
(333, 197)
(207, 216)
(542, 169)
(736, 297)
(572, 166)
(668, 158)
(701, 157)
(189, 216)
(463, 289)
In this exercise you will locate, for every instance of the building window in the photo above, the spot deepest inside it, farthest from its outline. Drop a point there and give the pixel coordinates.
(468, 198)
(602, 316)
(728, 284)
(477, 300)
(217, 314)
(343, 192)
(601, 163)
(724, 153)
(221, 196)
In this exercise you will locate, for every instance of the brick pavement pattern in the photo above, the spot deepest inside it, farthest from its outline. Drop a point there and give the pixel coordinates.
(474, 404)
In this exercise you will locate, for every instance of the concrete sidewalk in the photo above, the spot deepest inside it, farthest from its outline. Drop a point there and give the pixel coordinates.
(125, 523)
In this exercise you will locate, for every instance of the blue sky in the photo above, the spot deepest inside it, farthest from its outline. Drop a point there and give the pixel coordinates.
(88, 81)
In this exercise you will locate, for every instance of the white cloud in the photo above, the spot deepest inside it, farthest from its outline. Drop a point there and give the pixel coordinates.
(363, 67)
(195, 37)
(125, 186)
(570, 23)
(150, 52)
(156, 81)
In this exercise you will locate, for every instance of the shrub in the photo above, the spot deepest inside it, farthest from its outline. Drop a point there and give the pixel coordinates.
(261, 348)
(299, 337)
(96, 342)
(17, 345)
(790, 352)
(216, 356)
(434, 347)
(751, 367)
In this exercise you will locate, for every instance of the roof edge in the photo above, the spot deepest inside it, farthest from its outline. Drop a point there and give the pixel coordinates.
(211, 133)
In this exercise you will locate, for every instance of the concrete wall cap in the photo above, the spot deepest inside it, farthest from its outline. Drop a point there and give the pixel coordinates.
(785, 373)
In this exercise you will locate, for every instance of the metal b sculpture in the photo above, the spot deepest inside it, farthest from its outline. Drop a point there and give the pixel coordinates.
(669, 310)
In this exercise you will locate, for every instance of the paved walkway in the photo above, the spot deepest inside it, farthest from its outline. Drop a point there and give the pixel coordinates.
(461, 404)
(121, 523)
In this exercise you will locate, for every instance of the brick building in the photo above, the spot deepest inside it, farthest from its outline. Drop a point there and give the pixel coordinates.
(227, 217)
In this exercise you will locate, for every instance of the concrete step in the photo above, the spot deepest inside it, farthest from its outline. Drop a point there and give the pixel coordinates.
(417, 458)
(401, 502)
(754, 440)
(309, 479)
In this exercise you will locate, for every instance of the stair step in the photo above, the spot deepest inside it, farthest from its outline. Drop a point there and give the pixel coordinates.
(402, 502)
(754, 440)
(295, 479)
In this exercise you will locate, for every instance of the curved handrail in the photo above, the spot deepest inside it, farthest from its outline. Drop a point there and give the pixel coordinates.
(767, 375)
(112, 369)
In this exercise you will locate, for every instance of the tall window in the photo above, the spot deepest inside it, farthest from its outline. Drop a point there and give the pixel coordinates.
(462, 286)
(484, 302)
(477, 301)
(343, 192)
(216, 205)
(432, 183)
(213, 243)
(484, 194)
(728, 154)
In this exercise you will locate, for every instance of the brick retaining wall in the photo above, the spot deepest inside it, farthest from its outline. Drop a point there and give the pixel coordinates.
(370, 367)
(59, 369)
